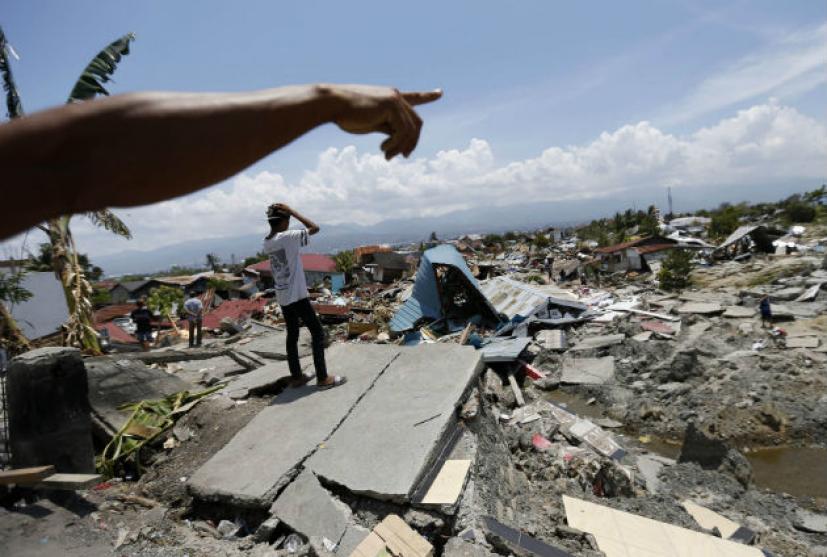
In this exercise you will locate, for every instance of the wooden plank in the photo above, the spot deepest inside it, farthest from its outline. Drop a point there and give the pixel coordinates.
(466, 333)
(401, 540)
(26, 475)
(448, 484)
(71, 481)
(371, 546)
(518, 394)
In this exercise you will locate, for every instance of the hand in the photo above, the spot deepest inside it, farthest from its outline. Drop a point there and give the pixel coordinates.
(370, 109)
(283, 207)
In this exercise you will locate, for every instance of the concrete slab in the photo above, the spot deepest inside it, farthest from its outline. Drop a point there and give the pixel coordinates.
(115, 382)
(309, 509)
(811, 293)
(786, 294)
(740, 312)
(353, 536)
(703, 308)
(261, 380)
(504, 350)
(600, 341)
(552, 339)
(803, 342)
(588, 371)
(264, 455)
(393, 436)
(206, 371)
(273, 345)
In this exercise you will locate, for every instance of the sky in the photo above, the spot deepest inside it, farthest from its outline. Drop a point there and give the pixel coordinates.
(543, 100)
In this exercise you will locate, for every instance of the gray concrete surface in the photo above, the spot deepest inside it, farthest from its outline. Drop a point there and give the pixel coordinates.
(113, 382)
(264, 456)
(598, 341)
(588, 371)
(702, 308)
(207, 371)
(273, 345)
(390, 439)
(265, 378)
(309, 509)
(740, 312)
(552, 339)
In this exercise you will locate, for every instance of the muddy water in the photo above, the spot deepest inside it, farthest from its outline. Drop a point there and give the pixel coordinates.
(799, 471)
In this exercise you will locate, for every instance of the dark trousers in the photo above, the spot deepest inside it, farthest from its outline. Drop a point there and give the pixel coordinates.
(195, 330)
(303, 311)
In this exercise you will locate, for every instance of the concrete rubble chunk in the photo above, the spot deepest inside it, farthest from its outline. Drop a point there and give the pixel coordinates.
(395, 432)
(353, 536)
(48, 412)
(786, 294)
(264, 455)
(810, 522)
(309, 509)
(810, 294)
(599, 341)
(588, 371)
(504, 350)
(206, 371)
(114, 382)
(457, 547)
(702, 308)
(740, 312)
(552, 339)
(803, 342)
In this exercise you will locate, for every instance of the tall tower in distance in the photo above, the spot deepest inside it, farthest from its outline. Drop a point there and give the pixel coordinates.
(669, 197)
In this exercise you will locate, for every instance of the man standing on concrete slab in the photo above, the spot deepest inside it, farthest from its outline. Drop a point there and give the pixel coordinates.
(195, 312)
(283, 246)
(766, 311)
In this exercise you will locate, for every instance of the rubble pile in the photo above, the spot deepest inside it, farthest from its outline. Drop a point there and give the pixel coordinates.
(502, 398)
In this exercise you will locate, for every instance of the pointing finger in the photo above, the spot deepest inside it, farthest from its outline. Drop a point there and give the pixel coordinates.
(414, 98)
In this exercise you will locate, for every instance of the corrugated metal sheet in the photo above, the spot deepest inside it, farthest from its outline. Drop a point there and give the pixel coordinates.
(511, 297)
(424, 300)
(739, 233)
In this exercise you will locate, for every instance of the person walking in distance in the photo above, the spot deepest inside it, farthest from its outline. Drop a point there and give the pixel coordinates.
(766, 311)
(142, 318)
(283, 248)
(195, 313)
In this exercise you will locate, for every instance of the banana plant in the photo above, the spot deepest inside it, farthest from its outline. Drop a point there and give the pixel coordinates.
(79, 328)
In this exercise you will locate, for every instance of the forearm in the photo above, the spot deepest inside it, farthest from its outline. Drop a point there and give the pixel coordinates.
(141, 148)
(311, 226)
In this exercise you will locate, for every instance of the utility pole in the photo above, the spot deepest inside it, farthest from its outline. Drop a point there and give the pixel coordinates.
(669, 196)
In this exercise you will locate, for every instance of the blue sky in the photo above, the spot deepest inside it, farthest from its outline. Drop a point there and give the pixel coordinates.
(521, 77)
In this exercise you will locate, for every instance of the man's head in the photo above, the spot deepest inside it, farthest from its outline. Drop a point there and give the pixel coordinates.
(279, 220)
(141, 303)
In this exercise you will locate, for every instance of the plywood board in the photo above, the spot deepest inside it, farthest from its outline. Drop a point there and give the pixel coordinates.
(71, 481)
(448, 484)
(26, 475)
(709, 519)
(371, 546)
(621, 534)
(402, 540)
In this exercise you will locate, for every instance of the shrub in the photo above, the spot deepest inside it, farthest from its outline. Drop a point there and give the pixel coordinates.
(799, 211)
(675, 269)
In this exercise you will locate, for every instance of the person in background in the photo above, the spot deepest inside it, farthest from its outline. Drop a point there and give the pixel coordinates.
(283, 247)
(327, 286)
(766, 311)
(195, 312)
(549, 265)
(142, 318)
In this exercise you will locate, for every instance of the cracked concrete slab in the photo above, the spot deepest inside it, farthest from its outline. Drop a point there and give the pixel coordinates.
(598, 341)
(263, 457)
(206, 371)
(588, 371)
(389, 441)
(309, 509)
(273, 345)
(262, 379)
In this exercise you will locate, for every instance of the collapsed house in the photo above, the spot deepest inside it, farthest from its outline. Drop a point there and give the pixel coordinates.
(746, 239)
(632, 255)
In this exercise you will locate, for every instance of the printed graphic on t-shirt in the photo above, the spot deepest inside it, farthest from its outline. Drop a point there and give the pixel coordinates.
(281, 269)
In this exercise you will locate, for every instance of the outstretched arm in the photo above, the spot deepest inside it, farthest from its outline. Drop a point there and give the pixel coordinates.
(141, 148)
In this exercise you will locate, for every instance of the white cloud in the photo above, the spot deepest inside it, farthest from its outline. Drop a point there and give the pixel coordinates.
(766, 144)
(789, 66)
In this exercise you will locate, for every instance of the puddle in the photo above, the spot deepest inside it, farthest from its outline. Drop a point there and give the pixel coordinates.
(799, 471)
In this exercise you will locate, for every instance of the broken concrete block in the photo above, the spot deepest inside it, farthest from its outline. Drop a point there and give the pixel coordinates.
(740, 312)
(810, 522)
(702, 308)
(263, 456)
(408, 413)
(271, 377)
(273, 345)
(811, 293)
(309, 509)
(207, 371)
(354, 535)
(48, 411)
(786, 294)
(552, 339)
(588, 371)
(266, 531)
(600, 341)
(457, 547)
(803, 342)
(504, 350)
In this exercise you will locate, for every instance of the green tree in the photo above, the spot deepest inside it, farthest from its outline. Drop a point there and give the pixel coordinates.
(12, 292)
(675, 269)
(345, 260)
(799, 211)
(724, 222)
(252, 260)
(492, 239)
(65, 261)
(541, 241)
(649, 226)
(101, 297)
(510, 235)
(165, 300)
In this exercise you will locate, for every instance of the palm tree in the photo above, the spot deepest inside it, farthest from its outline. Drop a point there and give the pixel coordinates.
(65, 262)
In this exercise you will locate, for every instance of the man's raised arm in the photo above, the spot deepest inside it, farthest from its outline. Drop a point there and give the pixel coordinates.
(141, 148)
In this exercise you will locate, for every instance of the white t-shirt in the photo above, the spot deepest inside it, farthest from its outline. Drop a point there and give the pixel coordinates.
(286, 265)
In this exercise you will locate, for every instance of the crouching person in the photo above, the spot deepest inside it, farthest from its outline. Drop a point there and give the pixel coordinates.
(283, 248)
